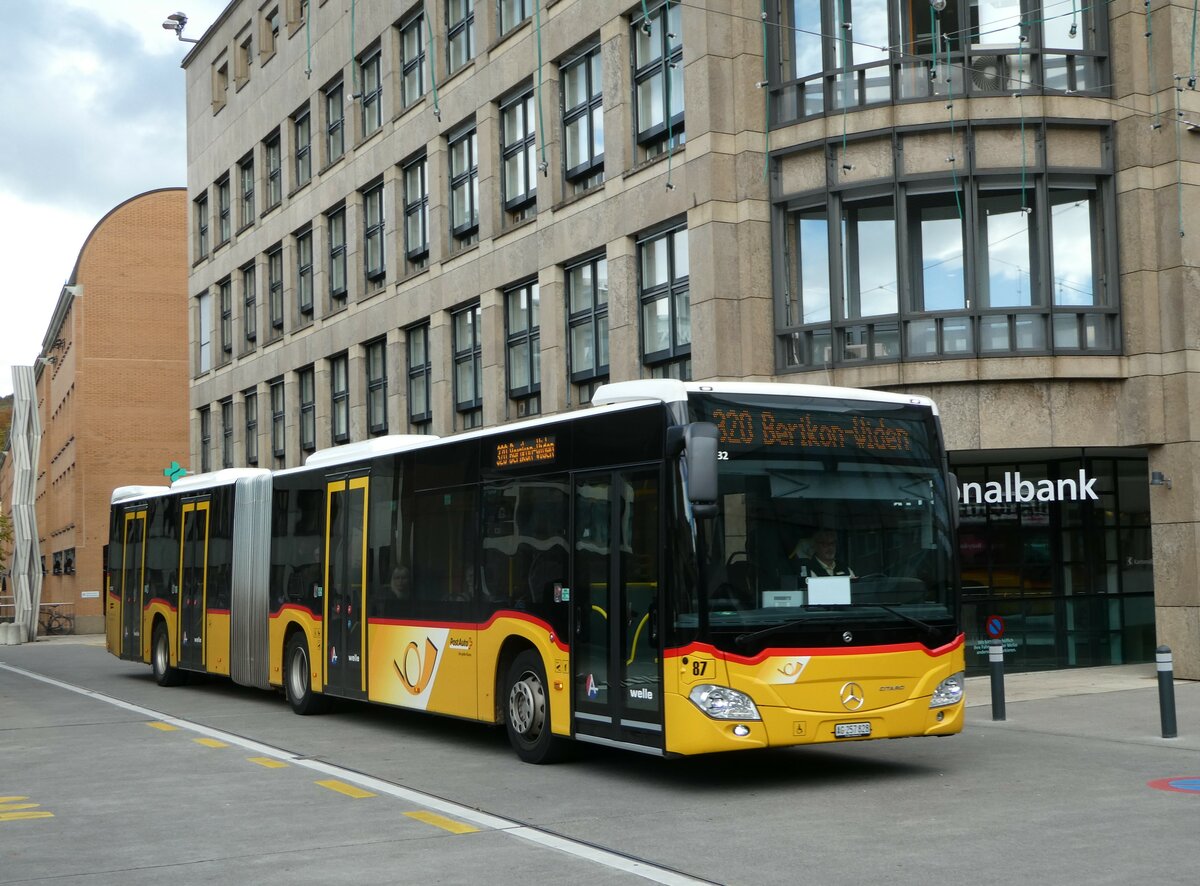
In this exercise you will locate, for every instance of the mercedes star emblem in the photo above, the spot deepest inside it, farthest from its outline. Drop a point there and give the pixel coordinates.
(852, 696)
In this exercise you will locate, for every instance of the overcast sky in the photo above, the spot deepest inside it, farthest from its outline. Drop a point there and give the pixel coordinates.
(92, 96)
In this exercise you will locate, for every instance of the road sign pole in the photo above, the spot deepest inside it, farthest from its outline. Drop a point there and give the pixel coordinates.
(996, 663)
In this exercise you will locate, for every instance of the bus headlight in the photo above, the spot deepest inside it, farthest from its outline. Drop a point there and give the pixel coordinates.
(949, 691)
(723, 703)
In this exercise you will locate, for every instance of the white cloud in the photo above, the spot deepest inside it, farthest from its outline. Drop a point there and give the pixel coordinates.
(93, 95)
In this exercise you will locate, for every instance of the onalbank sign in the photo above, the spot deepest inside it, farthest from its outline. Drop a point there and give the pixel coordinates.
(1016, 489)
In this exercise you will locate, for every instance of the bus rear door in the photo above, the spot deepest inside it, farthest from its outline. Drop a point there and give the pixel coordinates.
(123, 619)
(615, 666)
(345, 586)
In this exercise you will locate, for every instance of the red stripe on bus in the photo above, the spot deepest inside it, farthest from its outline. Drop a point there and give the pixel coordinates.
(478, 626)
(295, 608)
(775, 651)
(217, 611)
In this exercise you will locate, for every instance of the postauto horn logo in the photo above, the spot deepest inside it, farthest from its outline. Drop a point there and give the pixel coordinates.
(417, 668)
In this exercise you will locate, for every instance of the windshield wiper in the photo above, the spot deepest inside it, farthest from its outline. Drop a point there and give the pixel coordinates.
(744, 639)
(929, 629)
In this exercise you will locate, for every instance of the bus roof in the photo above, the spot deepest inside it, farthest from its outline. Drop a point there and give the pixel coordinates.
(223, 477)
(671, 391)
(133, 493)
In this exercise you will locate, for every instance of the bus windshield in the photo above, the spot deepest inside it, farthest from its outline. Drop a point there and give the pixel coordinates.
(832, 514)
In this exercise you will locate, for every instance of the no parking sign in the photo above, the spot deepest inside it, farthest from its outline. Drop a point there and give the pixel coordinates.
(994, 627)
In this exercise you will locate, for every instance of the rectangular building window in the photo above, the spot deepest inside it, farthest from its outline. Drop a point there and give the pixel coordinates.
(224, 220)
(420, 407)
(665, 305)
(658, 78)
(337, 255)
(468, 367)
(204, 322)
(302, 136)
(201, 211)
(249, 307)
(205, 440)
(412, 60)
(460, 32)
(523, 346)
(270, 33)
(278, 420)
(220, 84)
(275, 288)
(583, 119)
(513, 12)
(373, 230)
(587, 320)
(225, 294)
(243, 61)
(250, 405)
(339, 398)
(518, 150)
(416, 212)
(464, 186)
(377, 386)
(246, 178)
(371, 82)
(227, 433)
(308, 409)
(304, 274)
(335, 129)
(273, 151)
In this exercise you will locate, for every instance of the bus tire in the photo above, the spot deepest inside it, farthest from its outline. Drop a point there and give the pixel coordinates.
(297, 679)
(160, 658)
(527, 711)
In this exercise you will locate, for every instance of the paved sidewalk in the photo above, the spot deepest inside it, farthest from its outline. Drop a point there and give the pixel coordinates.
(1058, 684)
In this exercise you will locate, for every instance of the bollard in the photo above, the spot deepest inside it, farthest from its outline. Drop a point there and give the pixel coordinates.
(1166, 691)
(996, 662)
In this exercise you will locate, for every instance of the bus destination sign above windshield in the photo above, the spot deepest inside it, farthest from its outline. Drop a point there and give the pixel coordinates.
(820, 431)
(522, 453)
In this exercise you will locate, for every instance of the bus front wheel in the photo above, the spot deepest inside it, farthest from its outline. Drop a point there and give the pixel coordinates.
(297, 680)
(528, 711)
(160, 658)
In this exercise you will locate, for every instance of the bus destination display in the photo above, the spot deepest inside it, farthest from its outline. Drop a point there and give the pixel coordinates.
(522, 453)
(823, 432)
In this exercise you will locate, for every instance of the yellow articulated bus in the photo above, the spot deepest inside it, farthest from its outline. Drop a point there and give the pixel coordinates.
(682, 568)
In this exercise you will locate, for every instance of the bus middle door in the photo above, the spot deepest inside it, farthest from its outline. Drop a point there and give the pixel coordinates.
(616, 670)
(193, 583)
(345, 586)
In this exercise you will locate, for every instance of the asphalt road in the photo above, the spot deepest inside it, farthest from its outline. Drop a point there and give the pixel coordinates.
(212, 782)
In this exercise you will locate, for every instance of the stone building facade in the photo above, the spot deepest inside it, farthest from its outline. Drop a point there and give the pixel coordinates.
(423, 217)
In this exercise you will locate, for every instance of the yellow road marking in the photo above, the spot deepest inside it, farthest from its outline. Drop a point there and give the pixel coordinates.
(12, 799)
(165, 727)
(210, 742)
(13, 807)
(348, 789)
(18, 816)
(269, 762)
(440, 821)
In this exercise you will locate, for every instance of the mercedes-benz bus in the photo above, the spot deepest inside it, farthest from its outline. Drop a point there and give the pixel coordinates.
(632, 574)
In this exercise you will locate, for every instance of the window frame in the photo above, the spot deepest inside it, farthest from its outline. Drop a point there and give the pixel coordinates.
(459, 29)
(415, 63)
(275, 308)
(420, 371)
(306, 381)
(370, 85)
(249, 306)
(273, 161)
(225, 297)
(676, 285)
(521, 9)
(339, 398)
(250, 418)
(335, 223)
(467, 180)
(594, 315)
(374, 233)
(304, 274)
(468, 352)
(584, 111)
(669, 133)
(201, 213)
(224, 210)
(246, 194)
(227, 432)
(377, 386)
(522, 146)
(302, 136)
(335, 124)
(416, 209)
(278, 419)
(205, 439)
(523, 332)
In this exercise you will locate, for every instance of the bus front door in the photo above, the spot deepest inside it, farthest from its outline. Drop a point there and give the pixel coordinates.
(345, 586)
(615, 668)
(193, 583)
(125, 606)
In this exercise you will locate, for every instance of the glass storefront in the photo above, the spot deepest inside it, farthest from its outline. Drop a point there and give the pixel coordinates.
(1056, 557)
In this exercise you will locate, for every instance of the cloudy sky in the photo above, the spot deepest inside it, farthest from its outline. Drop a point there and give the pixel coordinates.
(92, 96)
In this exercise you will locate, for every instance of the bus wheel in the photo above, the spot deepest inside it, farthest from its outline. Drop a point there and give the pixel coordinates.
(528, 719)
(160, 658)
(297, 679)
